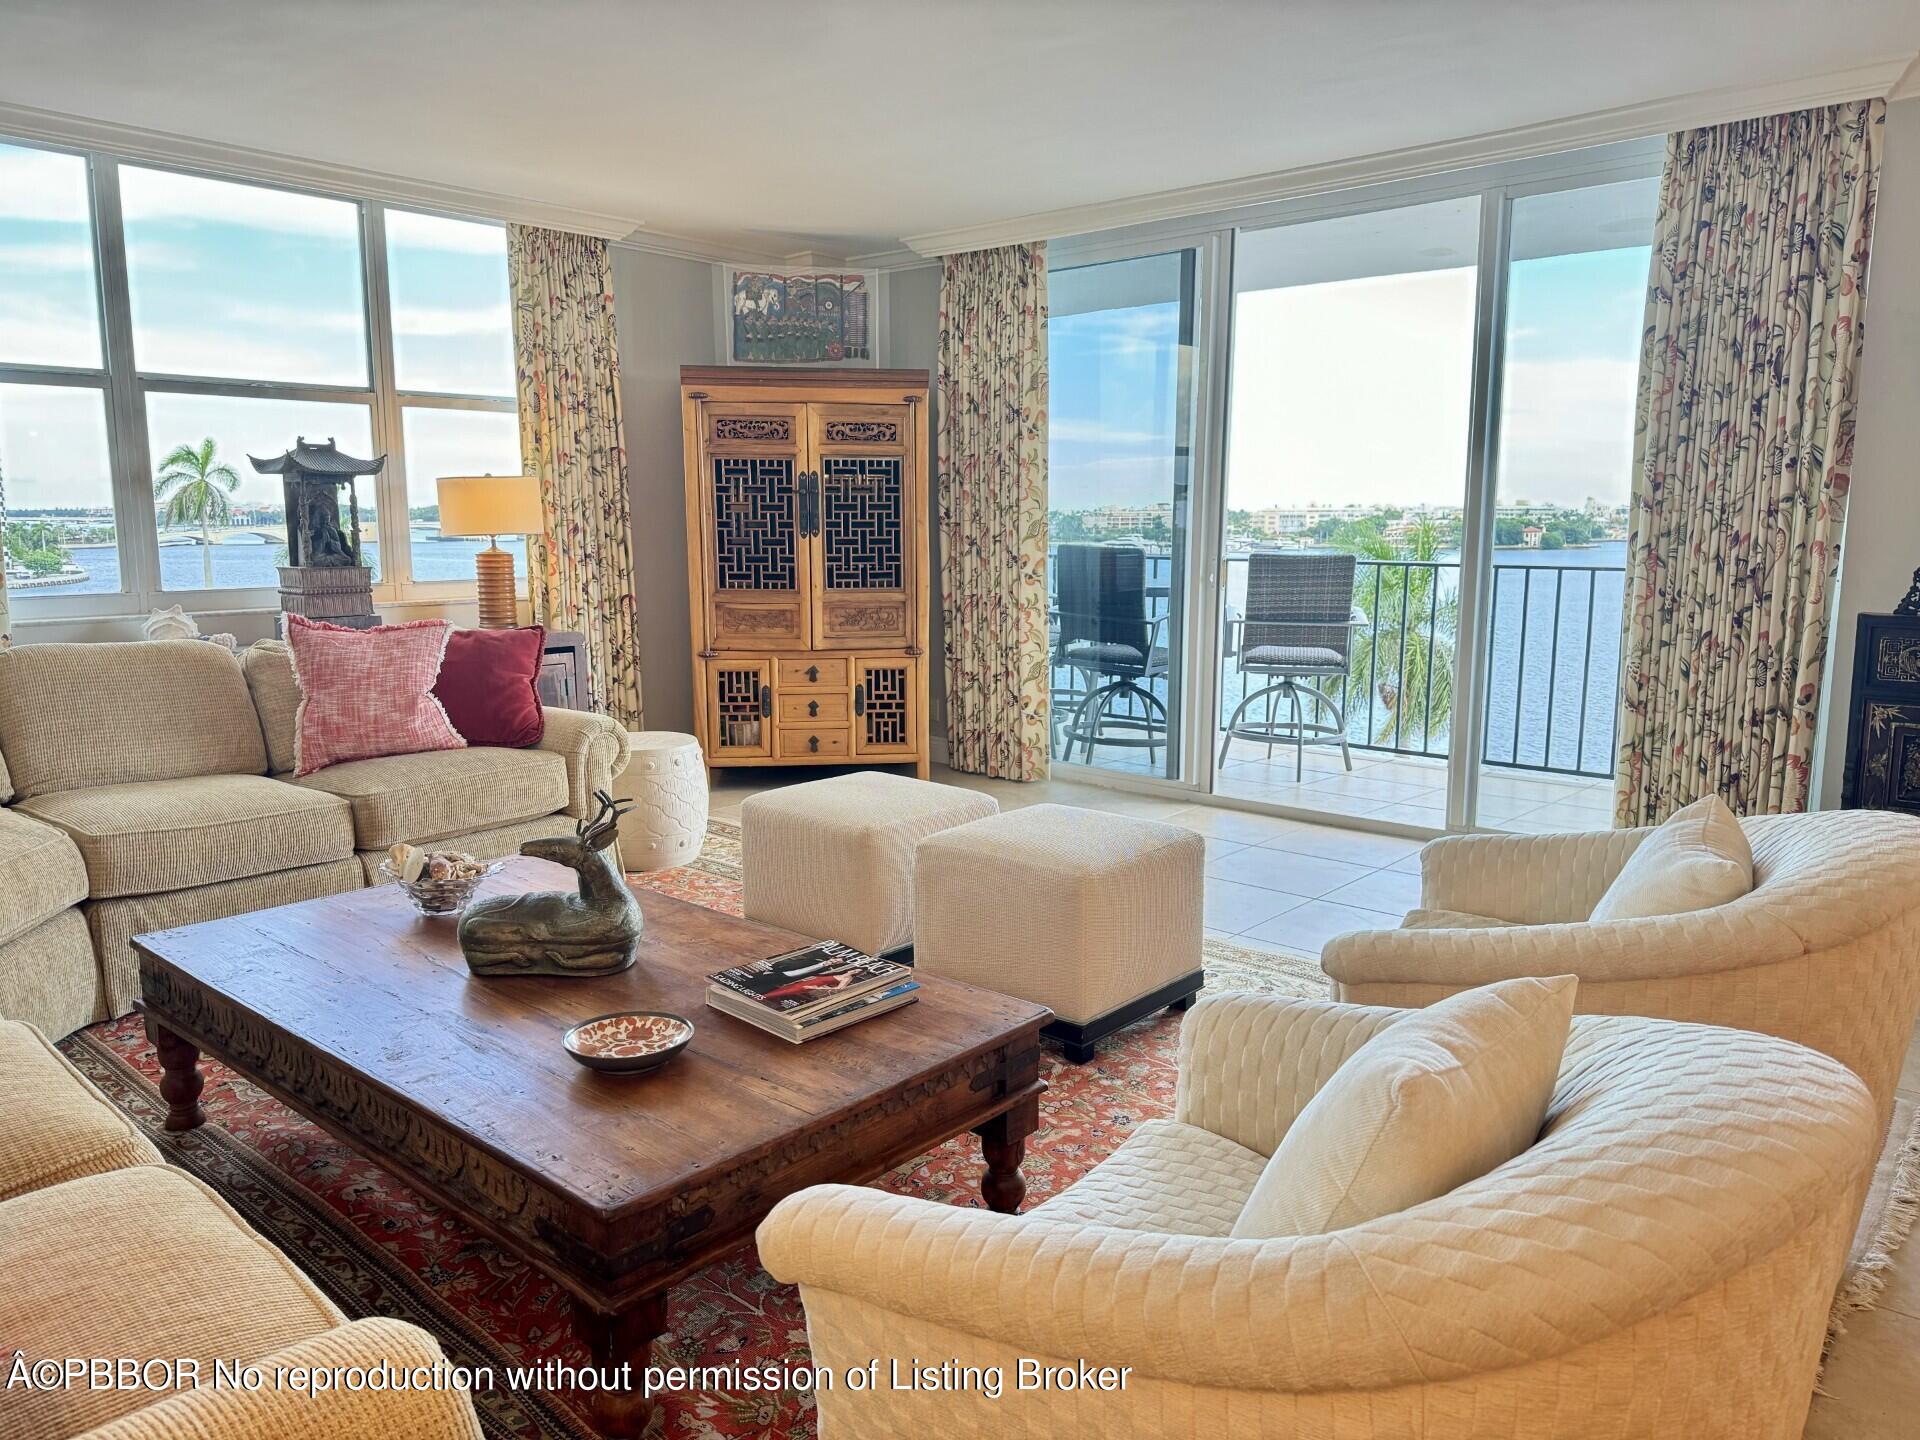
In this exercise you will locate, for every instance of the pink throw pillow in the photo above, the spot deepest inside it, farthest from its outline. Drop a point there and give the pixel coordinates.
(365, 693)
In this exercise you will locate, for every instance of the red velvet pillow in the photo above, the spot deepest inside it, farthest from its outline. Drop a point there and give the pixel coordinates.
(366, 693)
(487, 684)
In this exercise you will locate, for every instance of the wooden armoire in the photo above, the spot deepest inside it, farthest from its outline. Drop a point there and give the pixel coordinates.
(807, 561)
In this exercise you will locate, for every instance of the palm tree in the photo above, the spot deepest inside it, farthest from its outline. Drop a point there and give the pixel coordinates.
(1405, 652)
(195, 489)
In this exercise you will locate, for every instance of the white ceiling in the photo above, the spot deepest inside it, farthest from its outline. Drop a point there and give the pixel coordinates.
(842, 126)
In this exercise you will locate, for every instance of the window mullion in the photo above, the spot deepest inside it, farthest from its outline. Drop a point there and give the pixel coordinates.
(135, 533)
(390, 490)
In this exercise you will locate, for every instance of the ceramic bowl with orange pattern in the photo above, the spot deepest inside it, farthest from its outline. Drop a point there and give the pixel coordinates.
(628, 1042)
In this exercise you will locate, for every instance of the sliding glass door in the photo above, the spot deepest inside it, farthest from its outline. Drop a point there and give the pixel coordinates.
(1121, 361)
(1576, 294)
(1343, 534)
(1346, 466)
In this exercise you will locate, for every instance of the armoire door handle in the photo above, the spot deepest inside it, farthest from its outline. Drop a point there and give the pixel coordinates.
(859, 699)
(766, 701)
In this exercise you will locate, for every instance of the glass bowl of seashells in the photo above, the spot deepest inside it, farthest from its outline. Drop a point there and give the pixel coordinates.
(439, 882)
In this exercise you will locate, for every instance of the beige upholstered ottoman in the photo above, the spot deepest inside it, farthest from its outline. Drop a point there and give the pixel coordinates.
(1095, 916)
(834, 858)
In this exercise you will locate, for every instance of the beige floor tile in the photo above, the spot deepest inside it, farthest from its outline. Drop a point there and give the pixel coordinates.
(1311, 797)
(1235, 908)
(1355, 847)
(1388, 890)
(1367, 788)
(1307, 927)
(1307, 876)
(1431, 817)
(1874, 1376)
(1246, 826)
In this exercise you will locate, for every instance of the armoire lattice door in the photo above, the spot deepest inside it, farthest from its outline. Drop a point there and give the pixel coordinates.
(807, 562)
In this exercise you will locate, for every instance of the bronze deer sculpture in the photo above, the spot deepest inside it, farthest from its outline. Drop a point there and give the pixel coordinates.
(549, 932)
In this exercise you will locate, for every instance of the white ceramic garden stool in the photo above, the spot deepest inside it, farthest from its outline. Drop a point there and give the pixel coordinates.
(666, 778)
(833, 859)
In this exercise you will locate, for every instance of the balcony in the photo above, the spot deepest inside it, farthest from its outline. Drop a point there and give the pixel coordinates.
(1553, 687)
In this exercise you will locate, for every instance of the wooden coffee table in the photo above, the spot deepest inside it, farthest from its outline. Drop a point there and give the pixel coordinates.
(361, 1015)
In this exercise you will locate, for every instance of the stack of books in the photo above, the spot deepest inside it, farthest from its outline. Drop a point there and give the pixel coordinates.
(811, 992)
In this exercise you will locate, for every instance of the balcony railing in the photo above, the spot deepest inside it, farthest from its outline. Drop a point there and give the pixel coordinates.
(1554, 652)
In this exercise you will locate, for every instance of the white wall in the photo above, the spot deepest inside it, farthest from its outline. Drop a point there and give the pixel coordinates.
(665, 310)
(1882, 543)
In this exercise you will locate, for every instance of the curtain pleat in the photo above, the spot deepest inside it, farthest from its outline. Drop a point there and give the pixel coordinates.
(1743, 443)
(992, 468)
(568, 361)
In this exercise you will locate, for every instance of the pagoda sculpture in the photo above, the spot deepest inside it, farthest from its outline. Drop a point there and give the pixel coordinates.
(326, 576)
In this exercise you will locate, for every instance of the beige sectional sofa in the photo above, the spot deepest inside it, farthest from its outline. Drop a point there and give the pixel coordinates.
(149, 784)
(110, 1254)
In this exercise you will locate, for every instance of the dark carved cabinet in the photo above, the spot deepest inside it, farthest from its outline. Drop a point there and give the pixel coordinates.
(1883, 720)
(807, 564)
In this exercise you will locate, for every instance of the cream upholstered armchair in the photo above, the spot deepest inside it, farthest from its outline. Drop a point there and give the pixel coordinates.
(1659, 1264)
(1824, 950)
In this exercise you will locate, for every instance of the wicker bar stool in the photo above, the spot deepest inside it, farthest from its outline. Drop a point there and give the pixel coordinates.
(1298, 629)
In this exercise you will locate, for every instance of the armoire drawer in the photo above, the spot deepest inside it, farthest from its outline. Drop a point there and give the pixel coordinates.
(800, 742)
(817, 672)
(827, 707)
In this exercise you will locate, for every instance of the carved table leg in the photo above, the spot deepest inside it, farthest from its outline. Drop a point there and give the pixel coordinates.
(180, 1079)
(1003, 1140)
(620, 1340)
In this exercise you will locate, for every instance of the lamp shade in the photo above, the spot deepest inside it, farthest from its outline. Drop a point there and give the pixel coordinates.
(490, 505)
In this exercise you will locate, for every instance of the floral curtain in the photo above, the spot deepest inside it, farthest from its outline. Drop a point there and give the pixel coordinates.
(992, 467)
(1743, 441)
(565, 352)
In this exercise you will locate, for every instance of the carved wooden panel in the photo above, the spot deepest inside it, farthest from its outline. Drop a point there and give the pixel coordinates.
(861, 432)
(753, 428)
(756, 537)
(884, 705)
(737, 701)
(862, 539)
(1883, 721)
(862, 622)
(1896, 658)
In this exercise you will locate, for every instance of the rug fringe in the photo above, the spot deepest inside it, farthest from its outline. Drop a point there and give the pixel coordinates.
(1867, 1277)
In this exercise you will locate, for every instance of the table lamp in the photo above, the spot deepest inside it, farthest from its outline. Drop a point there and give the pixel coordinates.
(491, 505)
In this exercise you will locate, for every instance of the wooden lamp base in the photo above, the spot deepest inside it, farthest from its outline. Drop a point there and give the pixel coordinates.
(493, 568)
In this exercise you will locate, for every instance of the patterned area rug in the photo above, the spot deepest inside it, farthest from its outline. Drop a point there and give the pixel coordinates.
(378, 1248)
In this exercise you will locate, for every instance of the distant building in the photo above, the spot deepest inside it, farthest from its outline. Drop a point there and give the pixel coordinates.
(1530, 536)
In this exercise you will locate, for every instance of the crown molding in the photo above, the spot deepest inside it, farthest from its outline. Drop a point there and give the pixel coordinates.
(1907, 87)
(696, 247)
(898, 258)
(1599, 127)
(131, 142)
(725, 252)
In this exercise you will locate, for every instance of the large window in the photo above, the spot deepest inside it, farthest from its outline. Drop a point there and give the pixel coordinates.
(158, 328)
(1383, 563)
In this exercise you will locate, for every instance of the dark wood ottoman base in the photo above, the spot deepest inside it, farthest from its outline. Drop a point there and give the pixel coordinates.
(1077, 1040)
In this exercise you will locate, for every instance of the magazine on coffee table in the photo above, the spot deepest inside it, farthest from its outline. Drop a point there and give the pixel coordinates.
(811, 991)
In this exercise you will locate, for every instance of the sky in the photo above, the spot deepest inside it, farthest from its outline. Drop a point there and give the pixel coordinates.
(1358, 391)
(241, 282)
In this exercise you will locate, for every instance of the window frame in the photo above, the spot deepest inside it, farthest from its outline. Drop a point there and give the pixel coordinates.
(125, 389)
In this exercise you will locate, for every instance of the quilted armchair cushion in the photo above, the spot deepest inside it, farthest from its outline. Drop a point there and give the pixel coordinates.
(1698, 860)
(1441, 1098)
(1690, 1195)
